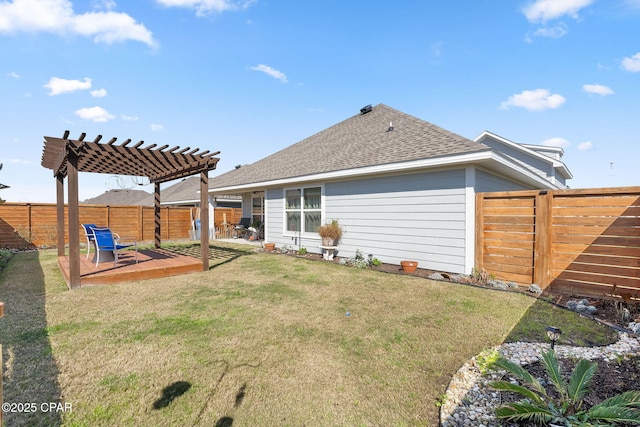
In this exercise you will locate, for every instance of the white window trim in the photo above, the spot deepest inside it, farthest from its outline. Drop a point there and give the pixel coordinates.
(307, 234)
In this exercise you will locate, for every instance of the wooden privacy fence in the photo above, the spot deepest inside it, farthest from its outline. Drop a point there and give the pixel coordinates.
(224, 219)
(584, 242)
(34, 224)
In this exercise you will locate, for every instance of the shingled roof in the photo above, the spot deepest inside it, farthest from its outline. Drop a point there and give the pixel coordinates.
(366, 139)
(183, 191)
(122, 197)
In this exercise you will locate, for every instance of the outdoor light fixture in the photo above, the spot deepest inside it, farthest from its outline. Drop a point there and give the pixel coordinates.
(554, 335)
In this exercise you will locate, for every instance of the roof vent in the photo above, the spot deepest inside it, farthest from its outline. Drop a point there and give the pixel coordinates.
(366, 109)
(390, 127)
(238, 166)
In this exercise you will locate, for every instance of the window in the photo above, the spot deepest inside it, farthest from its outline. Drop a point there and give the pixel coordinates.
(303, 209)
(257, 207)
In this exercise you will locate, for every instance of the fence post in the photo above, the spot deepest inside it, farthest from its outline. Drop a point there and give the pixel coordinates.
(542, 238)
(60, 240)
(140, 224)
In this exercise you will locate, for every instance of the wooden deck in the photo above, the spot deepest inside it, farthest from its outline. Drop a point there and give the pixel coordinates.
(151, 264)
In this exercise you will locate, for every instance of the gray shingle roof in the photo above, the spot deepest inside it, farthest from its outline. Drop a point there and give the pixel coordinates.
(183, 191)
(360, 141)
(122, 197)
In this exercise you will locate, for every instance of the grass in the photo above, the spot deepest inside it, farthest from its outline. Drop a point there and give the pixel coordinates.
(259, 340)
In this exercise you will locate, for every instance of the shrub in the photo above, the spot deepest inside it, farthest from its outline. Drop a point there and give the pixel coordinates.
(565, 407)
(358, 260)
(5, 256)
(331, 230)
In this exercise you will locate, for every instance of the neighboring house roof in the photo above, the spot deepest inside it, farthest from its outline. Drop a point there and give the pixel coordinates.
(186, 191)
(122, 197)
(549, 155)
(382, 136)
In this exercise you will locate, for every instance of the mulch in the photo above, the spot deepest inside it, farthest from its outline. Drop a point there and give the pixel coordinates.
(611, 379)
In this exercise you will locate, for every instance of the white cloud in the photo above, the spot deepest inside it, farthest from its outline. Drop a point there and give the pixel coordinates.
(13, 75)
(99, 93)
(546, 10)
(156, 127)
(631, 5)
(129, 118)
(632, 63)
(95, 114)
(204, 7)
(58, 17)
(556, 142)
(278, 75)
(585, 146)
(19, 161)
(534, 100)
(554, 32)
(598, 89)
(104, 4)
(58, 86)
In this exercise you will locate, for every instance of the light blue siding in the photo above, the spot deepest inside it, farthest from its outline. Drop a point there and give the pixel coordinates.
(486, 182)
(539, 167)
(419, 217)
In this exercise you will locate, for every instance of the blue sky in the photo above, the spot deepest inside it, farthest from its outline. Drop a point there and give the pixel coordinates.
(248, 78)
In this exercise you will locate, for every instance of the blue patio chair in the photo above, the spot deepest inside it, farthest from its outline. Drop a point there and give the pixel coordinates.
(106, 242)
(88, 233)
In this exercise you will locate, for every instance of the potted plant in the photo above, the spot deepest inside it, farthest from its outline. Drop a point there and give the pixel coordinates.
(330, 232)
(409, 266)
(254, 228)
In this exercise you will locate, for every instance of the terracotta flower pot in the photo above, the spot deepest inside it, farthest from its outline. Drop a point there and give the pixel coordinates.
(269, 246)
(409, 266)
(327, 241)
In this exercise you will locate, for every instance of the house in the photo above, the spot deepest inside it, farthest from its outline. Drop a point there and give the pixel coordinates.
(126, 197)
(186, 193)
(402, 188)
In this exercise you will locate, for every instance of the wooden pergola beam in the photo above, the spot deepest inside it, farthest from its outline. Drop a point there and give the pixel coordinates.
(67, 157)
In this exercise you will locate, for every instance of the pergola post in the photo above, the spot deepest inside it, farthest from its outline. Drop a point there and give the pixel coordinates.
(156, 215)
(204, 219)
(67, 157)
(74, 221)
(60, 213)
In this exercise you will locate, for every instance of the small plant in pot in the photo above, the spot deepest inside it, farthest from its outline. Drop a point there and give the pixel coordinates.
(330, 232)
(254, 228)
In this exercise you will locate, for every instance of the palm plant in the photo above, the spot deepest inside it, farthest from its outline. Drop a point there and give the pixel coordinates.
(565, 407)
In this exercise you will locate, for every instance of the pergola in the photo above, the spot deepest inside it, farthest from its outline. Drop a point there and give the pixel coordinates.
(66, 157)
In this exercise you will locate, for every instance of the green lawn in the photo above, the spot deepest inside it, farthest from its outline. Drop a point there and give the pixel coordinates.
(261, 340)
